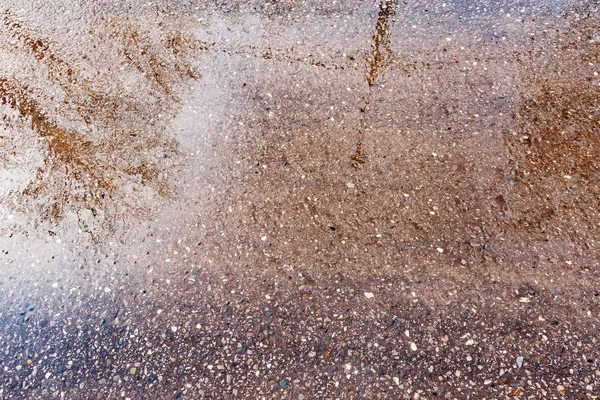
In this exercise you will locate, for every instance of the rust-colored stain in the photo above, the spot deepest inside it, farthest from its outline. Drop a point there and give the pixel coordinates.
(376, 59)
(65, 146)
(103, 146)
(557, 143)
(560, 115)
(358, 158)
(146, 57)
(562, 130)
(380, 49)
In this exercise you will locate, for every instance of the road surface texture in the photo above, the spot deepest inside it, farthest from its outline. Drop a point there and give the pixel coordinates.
(262, 199)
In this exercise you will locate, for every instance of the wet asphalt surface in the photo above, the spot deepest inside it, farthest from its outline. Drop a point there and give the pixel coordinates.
(299, 200)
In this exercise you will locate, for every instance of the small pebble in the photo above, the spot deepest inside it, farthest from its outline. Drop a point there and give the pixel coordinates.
(519, 362)
(524, 299)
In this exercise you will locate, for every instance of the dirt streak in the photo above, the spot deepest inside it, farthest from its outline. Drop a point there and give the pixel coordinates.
(376, 59)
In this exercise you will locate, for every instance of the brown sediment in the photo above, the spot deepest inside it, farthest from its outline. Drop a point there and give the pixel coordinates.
(63, 144)
(380, 49)
(560, 115)
(165, 70)
(358, 157)
(118, 147)
(562, 130)
(376, 59)
(557, 145)
(37, 46)
(68, 150)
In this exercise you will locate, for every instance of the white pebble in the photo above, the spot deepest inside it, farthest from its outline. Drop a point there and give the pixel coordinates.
(524, 299)
(520, 361)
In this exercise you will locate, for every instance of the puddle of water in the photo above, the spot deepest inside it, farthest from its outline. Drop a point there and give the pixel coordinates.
(317, 151)
(376, 122)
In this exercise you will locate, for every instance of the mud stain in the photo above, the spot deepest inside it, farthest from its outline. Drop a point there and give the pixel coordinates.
(380, 50)
(562, 129)
(556, 150)
(358, 157)
(376, 59)
(106, 147)
(66, 148)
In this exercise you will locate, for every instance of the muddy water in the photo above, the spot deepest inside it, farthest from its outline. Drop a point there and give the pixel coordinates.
(158, 153)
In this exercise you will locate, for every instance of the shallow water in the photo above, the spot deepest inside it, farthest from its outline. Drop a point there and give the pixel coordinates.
(183, 156)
